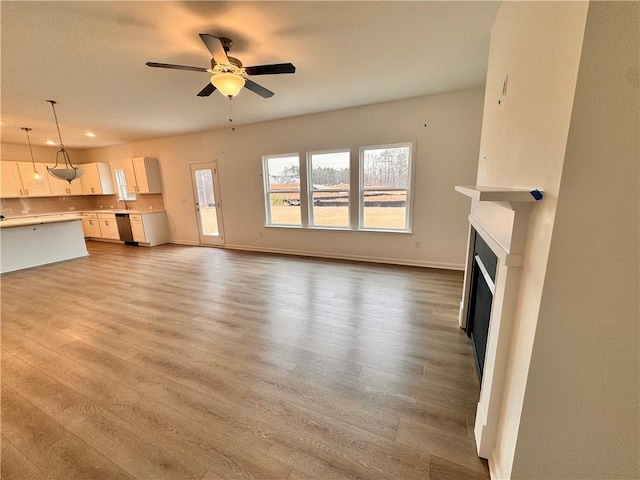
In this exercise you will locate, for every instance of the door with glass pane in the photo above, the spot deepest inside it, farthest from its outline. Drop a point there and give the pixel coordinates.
(208, 207)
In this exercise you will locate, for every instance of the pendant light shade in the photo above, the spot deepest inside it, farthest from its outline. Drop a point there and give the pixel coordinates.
(228, 84)
(67, 172)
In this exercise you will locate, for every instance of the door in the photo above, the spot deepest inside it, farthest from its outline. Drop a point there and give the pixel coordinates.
(208, 208)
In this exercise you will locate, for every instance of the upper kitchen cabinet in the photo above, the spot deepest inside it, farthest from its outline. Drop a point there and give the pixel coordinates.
(31, 188)
(61, 188)
(96, 179)
(142, 175)
(17, 182)
(11, 182)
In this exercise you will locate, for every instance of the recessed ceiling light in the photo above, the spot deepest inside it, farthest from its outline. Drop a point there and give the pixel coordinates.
(50, 142)
(90, 134)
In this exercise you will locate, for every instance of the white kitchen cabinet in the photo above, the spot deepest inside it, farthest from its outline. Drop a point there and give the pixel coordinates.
(17, 180)
(96, 179)
(11, 183)
(150, 228)
(108, 226)
(91, 225)
(29, 189)
(142, 175)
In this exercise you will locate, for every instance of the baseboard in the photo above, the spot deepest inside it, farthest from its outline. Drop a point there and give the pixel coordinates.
(356, 258)
(185, 242)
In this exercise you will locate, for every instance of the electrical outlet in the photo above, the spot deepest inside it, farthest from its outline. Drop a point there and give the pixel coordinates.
(418, 245)
(26, 210)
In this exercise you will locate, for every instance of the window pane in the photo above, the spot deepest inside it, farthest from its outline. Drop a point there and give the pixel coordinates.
(285, 208)
(207, 202)
(122, 186)
(284, 173)
(330, 170)
(386, 167)
(385, 209)
(331, 209)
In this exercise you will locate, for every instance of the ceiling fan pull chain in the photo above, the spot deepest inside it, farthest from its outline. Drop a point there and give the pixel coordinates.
(233, 129)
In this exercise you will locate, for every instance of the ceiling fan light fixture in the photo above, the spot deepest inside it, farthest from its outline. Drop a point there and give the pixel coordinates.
(228, 84)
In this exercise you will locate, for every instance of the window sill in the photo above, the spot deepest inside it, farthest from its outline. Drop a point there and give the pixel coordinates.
(341, 229)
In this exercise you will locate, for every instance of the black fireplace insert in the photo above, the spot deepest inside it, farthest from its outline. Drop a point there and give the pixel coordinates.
(483, 275)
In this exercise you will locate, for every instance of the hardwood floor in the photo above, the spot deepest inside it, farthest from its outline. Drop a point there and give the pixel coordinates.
(199, 363)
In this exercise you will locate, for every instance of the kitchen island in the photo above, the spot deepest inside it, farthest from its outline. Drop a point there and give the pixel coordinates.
(32, 241)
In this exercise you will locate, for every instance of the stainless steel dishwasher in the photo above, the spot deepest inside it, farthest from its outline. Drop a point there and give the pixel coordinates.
(124, 228)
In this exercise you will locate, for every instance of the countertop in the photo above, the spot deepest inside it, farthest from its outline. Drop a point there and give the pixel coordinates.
(37, 220)
(137, 212)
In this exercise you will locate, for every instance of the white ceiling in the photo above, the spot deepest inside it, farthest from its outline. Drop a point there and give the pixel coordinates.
(90, 57)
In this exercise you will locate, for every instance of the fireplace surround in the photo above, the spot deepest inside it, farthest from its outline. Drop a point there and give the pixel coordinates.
(498, 222)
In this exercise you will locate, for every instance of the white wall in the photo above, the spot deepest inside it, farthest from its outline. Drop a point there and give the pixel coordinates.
(446, 152)
(537, 44)
(581, 413)
(569, 126)
(20, 153)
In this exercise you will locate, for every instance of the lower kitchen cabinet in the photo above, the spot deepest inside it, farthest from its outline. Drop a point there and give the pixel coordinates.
(108, 226)
(150, 229)
(91, 226)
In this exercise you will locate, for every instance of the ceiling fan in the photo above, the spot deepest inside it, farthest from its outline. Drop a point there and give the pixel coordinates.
(227, 73)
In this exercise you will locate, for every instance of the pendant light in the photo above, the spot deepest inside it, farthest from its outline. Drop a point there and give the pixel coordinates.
(69, 172)
(36, 178)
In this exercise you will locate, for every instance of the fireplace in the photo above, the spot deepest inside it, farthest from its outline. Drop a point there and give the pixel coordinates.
(482, 287)
(498, 225)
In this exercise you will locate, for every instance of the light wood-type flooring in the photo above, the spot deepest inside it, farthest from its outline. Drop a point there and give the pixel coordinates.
(178, 362)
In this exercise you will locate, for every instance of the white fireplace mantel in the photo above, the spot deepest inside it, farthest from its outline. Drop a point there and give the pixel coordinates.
(505, 233)
(516, 198)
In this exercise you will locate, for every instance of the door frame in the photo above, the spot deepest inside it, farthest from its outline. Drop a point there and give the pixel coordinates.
(208, 240)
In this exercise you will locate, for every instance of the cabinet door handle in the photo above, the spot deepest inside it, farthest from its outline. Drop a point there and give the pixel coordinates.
(27, 192)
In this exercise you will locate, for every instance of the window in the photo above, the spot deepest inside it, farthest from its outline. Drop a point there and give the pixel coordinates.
(320, 193)
(329, 188)
(282, 189)
(385, 174)
(121, 183)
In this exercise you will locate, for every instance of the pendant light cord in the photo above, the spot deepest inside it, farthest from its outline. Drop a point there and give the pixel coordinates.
(55, 116)
(27, 129)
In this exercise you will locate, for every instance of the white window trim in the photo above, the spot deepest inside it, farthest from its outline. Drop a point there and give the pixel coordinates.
(311, 191)
(356, 195)
(268, 192)
(408, 220)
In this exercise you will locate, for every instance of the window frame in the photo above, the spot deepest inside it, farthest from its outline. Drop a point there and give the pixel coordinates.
(311, 190)
(356, 191)
(409, 188)
(268, 192)
(120, 181)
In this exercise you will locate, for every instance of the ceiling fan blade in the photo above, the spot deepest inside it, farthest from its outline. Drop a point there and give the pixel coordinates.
(206, 91)
(214, 45)
(259, 89)
(175, 67)
(271, 69)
